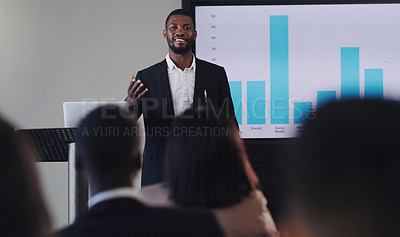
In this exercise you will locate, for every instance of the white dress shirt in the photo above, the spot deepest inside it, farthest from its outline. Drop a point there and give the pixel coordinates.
(123, 192)
(182, 85)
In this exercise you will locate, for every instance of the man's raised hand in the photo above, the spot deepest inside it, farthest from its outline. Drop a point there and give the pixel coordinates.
(135, 92)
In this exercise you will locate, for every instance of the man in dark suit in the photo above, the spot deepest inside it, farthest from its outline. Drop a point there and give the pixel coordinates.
(107, 149)
(168, 88)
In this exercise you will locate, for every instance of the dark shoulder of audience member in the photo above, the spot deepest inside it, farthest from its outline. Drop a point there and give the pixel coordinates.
(346, 170)
(203, 165)
(23, 211)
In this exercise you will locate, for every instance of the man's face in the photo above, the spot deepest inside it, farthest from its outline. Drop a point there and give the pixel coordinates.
(180, 34)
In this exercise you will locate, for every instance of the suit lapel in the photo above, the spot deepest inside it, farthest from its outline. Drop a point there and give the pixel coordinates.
(198, 95)
(166, 89)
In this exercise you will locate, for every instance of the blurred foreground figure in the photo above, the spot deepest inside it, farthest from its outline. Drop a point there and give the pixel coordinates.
(22, 208)
(345, 172)
(207, 167)
(108, 151)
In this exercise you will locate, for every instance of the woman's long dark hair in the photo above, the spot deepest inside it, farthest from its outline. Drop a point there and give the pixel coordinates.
(203, 166)
(22, 208)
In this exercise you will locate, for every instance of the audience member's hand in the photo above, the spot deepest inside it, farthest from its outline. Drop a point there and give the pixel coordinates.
(135, 92)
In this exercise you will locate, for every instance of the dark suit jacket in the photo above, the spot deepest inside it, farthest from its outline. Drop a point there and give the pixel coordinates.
(158, 111)
(128, 217)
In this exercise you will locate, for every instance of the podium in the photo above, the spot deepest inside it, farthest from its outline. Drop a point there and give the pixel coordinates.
(50, 144)
(58, 145)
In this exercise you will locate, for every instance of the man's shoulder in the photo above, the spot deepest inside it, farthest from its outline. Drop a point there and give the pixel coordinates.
(202, 63)
(140, 219)
(155, 67)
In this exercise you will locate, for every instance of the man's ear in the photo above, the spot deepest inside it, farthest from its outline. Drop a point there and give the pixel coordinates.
(136, 164)
(137, 161)
(78, 160)
(195, 34)
(164, 34)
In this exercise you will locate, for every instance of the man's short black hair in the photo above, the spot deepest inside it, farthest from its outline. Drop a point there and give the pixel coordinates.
(205, 169)
(345, 169)
(180, 12)
(108, 138)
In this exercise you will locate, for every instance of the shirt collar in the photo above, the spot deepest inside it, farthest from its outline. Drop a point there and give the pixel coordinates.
(123, 192)
(172, 66)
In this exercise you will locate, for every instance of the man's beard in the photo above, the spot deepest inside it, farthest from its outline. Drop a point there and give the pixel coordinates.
(180, 50)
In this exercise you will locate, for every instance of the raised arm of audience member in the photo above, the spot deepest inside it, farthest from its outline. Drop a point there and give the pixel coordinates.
(22, 208)
(252, 176)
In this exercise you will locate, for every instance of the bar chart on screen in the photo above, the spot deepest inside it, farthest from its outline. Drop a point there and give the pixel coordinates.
(285, 61)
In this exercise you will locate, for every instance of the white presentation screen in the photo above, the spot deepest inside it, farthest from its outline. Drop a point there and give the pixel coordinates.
(285, 61)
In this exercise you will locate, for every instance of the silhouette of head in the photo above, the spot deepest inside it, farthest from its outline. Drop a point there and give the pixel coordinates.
(345, 171)
(204, 166)
(108, 145)
(23, 211)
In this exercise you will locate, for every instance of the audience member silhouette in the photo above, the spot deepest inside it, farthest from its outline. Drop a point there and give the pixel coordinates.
(204, 168)
(107, 149)
(345, 172)
(22, 207)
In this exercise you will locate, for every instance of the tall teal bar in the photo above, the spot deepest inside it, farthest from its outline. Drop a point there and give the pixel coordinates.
(236, 94)
(301, 111)
(350, 73)
(324, 97)
(256, 102)
(279, 62)
(373, 83)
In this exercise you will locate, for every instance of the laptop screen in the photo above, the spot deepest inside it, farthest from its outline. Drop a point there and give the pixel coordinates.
(74, 112)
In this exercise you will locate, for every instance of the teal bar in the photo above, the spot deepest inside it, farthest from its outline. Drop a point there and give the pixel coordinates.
(301, 111)
(324, 97)
(236, 94)
(373, 83)
(350, 73)
(256, 102)
(279, 62)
